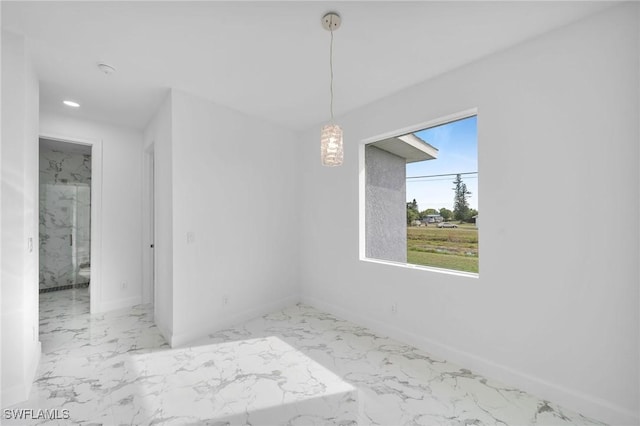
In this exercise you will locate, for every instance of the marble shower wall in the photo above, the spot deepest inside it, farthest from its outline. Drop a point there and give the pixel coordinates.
(65, 213)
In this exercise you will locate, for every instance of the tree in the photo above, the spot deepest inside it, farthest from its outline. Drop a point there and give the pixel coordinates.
(412, 211)
(427, 212)
(461, 199)
(446, 213)
(471, 214)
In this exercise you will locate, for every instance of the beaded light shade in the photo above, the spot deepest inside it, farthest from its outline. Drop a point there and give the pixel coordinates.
(331, 145)
(331, 151)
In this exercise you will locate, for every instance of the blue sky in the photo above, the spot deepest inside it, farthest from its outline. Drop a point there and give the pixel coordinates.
(457, 143)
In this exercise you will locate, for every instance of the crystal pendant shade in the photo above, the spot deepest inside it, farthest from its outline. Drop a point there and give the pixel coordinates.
(331, 145)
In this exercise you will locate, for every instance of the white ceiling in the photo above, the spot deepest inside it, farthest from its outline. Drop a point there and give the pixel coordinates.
(266, 59)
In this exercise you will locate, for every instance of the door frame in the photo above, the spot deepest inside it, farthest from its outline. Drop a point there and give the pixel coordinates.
(95, 298)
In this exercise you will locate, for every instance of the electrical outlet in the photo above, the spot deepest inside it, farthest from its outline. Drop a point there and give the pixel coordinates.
(394, 308)
(30, 244)
(123, 286)
(225, 300)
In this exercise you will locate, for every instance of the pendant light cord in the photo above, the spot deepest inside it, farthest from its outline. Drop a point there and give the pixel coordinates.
(331, 69)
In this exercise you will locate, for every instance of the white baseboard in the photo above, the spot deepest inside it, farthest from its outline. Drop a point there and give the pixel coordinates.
(14, 395)
(168, 335)
(32, 369)
(587, 405)
(182, 339)
(20, 392)
(17, 341)
(114, 305)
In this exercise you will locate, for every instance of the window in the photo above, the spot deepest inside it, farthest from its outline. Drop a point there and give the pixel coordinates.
(421, 197)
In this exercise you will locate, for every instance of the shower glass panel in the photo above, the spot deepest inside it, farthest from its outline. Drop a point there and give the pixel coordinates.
(65, 224)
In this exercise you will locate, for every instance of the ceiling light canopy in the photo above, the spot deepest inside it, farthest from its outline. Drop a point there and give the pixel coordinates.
(106, 68)
(331, 150)
(71, 104)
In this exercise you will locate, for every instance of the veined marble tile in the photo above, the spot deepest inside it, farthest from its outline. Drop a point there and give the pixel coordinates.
(254, 381)
(298, 366)
(397, 383)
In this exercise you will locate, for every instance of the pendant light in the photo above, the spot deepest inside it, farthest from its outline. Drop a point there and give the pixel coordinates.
(331, 135)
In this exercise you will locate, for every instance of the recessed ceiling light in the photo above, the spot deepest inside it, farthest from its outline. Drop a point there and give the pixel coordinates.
(71, 104)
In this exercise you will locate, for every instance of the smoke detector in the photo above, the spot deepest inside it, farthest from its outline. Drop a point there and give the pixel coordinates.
(106, 68)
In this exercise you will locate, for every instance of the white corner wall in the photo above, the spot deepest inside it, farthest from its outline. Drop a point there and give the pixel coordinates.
(234, 217)
(121, 213)
(19, 318)
(555, 308)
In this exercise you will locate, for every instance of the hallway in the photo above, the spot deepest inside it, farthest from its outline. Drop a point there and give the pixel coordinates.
(297, 366)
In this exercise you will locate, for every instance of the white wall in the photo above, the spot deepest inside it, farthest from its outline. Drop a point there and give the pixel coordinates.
(158, 136)
(20, 346)
(234, 189)
(555, 308)
(121, 259)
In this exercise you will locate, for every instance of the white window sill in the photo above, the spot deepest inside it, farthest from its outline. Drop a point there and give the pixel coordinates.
(422, 268)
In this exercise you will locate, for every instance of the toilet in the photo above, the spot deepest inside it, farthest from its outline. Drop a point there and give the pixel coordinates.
(85, 272)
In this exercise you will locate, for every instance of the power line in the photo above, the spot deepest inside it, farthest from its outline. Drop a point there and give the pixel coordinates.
(466, 179)
(443, 175)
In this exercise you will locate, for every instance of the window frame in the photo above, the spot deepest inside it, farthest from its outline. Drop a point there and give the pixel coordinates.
(362, 190)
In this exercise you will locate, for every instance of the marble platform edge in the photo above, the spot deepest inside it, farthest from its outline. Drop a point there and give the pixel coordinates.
(587, 405)
(178, 340)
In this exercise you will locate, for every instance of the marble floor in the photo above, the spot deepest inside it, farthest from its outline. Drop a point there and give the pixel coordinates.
(298, 366)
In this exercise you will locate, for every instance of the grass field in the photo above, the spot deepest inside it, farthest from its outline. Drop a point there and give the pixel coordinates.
(448, 248)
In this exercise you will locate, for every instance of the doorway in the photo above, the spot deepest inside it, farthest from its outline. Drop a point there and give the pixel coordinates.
(70, 173)
(65, 215)
(64, 211)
